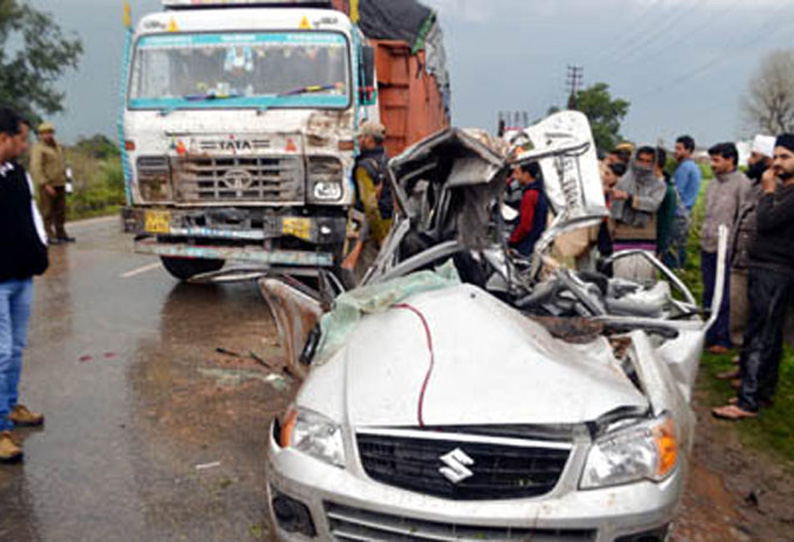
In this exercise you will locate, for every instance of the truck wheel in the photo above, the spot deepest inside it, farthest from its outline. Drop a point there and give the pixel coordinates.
(186, 268)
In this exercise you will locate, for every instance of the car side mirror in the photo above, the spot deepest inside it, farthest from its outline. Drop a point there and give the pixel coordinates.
(367, 84)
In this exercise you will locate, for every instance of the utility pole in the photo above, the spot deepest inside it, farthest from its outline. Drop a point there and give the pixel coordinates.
(574, 83)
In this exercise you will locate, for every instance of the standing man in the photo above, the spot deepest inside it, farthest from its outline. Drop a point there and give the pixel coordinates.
(534, 210)
(48, 166)
(24, 254)
(635, 203)
(770, 285)
(744, 233)
(374, 198)
(370, 174)
(724, 197)
(687, 181)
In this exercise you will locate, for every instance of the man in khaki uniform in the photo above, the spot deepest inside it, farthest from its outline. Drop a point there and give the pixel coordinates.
(48, 167)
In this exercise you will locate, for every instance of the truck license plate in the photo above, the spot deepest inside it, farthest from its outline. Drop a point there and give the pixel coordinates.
(157, 222)
(298, 227)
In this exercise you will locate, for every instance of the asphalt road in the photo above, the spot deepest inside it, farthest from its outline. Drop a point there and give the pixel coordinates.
(150, 434)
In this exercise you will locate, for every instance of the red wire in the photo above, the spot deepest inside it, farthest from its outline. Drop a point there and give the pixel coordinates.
(420, 407)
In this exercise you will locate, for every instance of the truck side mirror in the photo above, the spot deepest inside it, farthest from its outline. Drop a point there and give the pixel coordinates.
(367, 87)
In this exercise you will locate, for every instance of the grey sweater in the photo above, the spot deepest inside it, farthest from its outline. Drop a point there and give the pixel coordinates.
(724, 197)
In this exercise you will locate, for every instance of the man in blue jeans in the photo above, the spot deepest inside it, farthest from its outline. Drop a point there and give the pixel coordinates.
(23, 254)
(687, 184)
(724, 198)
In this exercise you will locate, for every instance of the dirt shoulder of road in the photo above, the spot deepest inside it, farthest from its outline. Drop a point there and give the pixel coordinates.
(736, 491)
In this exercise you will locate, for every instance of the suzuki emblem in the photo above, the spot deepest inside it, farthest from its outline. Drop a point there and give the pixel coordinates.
(457, 463)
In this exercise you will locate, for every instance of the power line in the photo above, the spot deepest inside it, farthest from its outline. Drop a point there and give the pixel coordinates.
(660, 32)
(637, 30)
(686, 31)
(721, 57)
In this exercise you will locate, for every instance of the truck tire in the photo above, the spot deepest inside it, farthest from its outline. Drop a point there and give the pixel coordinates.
(186, 268)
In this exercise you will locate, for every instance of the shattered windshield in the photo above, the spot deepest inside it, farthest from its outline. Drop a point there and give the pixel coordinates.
(258, 70)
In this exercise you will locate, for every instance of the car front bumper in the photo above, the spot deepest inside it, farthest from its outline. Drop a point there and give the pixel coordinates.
(345, 505)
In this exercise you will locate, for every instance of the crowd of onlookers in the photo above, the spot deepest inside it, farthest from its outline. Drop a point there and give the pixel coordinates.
(651, 211)
(651, 206)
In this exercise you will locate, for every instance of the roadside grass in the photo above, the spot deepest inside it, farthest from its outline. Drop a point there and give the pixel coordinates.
(773, 431)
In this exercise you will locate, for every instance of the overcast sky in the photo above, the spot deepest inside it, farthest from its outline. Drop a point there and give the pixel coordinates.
(683, 64)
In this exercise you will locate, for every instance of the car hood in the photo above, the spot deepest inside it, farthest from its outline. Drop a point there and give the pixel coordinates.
(491, 366)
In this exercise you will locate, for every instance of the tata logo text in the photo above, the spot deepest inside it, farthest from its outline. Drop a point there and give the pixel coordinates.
(235, 145)
(457, 466)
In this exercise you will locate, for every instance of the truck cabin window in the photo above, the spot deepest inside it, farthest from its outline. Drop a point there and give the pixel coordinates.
(308, 69)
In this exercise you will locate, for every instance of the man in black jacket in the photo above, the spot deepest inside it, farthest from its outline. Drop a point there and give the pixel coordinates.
(23, 254)
(770, 285)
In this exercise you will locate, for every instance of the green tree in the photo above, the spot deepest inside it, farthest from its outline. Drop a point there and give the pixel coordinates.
(34, 54)
(605, 113)
(98, 146)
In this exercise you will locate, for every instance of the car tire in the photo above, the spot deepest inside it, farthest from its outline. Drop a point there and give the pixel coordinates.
(186, 268)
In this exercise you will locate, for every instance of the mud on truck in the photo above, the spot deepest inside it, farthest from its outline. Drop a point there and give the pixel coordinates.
(240, 117)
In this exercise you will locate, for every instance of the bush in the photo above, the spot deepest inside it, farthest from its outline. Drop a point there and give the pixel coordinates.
(98, 184)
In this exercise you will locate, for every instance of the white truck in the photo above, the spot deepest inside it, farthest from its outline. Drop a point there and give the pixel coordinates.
(239, 132)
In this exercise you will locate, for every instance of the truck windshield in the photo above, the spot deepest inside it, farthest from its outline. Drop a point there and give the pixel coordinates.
(240, 70)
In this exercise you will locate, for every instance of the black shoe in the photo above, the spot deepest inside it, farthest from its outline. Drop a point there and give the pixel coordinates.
(67, 239)
(54, 241)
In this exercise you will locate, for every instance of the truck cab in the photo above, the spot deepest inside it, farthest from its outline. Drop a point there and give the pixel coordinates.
(239, 133)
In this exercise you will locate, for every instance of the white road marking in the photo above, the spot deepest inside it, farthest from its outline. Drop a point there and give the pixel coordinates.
(141, 270)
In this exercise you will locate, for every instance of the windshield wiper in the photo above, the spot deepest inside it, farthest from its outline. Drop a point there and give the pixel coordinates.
(297, 92)
(307, 90)
(196, 98)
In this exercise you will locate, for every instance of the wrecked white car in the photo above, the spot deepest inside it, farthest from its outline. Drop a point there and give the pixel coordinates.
(462, 393)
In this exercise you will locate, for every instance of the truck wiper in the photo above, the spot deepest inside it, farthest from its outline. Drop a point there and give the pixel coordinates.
(196, 98)
(306, 90)
(297, 92)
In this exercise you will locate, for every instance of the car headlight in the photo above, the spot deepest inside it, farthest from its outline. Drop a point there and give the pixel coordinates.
(646, 451)
(314, 435)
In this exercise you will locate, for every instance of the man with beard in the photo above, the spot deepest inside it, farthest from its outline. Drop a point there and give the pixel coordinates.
(770, 285)
(724, 197)
(759, 161)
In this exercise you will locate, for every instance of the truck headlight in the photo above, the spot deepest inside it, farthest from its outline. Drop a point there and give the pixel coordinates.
(314, 435)
(154, 178)
(327, 191)
(325, 178)
(646, 451)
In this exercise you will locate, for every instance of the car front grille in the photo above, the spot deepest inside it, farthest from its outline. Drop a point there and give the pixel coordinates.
(349, 524)
(234, 179)
(496, 471)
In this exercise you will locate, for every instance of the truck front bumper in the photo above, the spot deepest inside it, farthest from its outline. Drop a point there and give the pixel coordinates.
(257, 236)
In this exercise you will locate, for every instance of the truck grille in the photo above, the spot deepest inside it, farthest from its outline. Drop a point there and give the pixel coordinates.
(355, 525)
(499, 471)
(234, 179)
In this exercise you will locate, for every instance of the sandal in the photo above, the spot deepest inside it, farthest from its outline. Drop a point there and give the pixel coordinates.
(733, 413)
(729, 375)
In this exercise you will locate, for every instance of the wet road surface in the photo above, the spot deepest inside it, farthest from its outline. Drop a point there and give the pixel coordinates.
(150, 433)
